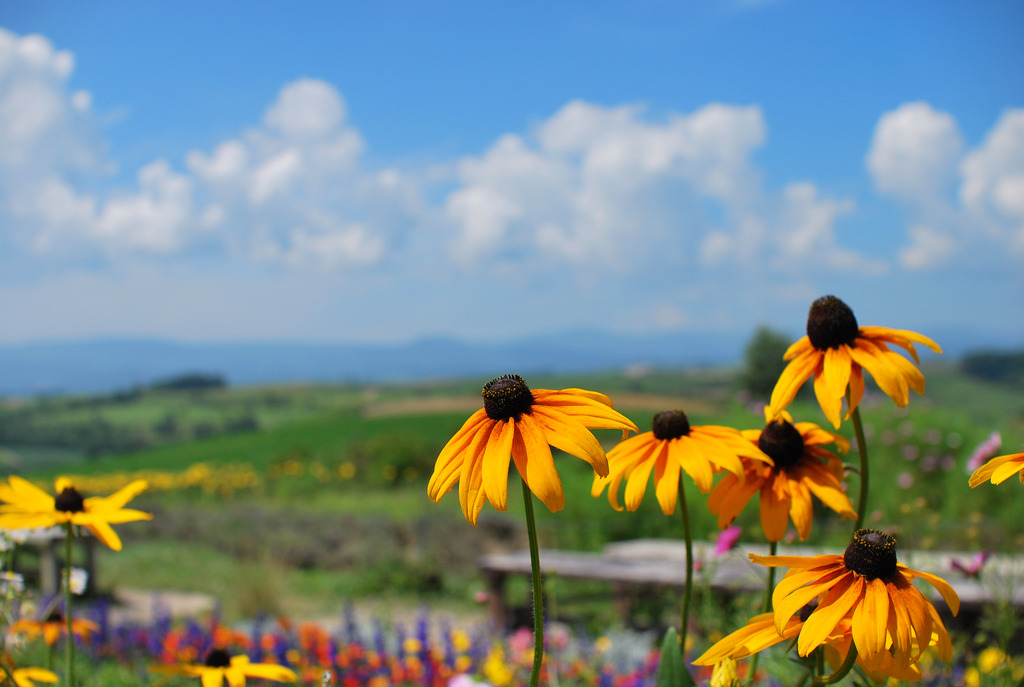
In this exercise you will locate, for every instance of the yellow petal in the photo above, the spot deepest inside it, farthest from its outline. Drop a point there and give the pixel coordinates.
(533, 459)
(837, 370)
(666, 482)
(834, 606)
(568, 435)
(774, 513)
(497, 458)
(636, 484)
(949, 594)
(870, 619)
(792, 378)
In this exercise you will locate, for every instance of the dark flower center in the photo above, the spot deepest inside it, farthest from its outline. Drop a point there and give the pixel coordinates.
(69, 501)
(831, 323)
(670, 424)
(55, 616)
(872, 554)
(506, 397)
(782, 442)
(217, 658)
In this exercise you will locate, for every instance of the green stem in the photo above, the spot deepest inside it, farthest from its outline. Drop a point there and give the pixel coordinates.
(69, 655)
(538, 598)
(766, 605)
(688, 589)
(862, 449)
(841, 672)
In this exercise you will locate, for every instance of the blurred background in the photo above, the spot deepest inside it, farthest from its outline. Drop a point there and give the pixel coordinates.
(265, 254)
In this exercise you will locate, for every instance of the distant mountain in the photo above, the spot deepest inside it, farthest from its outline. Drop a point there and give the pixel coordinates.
(102, 365)
(109, 364)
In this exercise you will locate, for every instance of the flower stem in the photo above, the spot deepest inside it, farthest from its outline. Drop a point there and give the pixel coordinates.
(688, 589)
(862, 449)
(766, 605)
(538, 593)
(851, 658)
(69, 651)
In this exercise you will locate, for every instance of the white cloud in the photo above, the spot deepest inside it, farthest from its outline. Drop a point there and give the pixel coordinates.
(157, 219)
(992, 191)
(306, 108)
(602, 184)
(914, 152)
(294, 182)
(917, 156)
(929, 248)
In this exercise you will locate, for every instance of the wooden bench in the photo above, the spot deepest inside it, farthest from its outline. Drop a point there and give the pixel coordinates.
(662, 563)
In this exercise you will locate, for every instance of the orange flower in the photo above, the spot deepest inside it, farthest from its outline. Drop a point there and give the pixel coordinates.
(801, 468)
(670, 447)
(836, 351)
(53, 626)
(868, 589)
(519, 425)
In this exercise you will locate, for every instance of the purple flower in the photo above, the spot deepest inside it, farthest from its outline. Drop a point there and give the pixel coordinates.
(727, 539)
(972, 569)
(984, 452)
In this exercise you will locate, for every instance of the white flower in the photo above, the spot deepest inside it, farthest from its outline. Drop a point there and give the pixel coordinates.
(11, 583)
(79, 581)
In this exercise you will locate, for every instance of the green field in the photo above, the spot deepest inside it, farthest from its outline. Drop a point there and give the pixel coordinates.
(337, 504)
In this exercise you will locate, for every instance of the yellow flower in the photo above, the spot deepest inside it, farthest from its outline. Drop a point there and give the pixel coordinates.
(52, 627)
(724, 674)
(26, 505)
(521, 424)
(220, 666)
(868, 589)
(26, 677)
(836, 350)
(671, 446)
(759, 634)
(999, 469)
(801, 468)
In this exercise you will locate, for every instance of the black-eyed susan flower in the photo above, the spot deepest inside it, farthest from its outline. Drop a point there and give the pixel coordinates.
(673, 445)
(26, 505)
(521, 425)
(870, 590)
(52, 627)
(999, 469)
(759, 634)
(221, 665)
(802, 467)
(835, 352)
(28, 676)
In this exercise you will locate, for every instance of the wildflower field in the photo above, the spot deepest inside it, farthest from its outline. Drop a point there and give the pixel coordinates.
(293, 507)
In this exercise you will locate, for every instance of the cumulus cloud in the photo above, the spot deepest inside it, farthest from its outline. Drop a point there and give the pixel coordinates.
(992, 191)
(606, 185)
(914, 152)
(958, 201)
(290, 190)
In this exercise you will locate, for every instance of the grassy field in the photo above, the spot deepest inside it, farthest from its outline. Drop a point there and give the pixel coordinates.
(328, 495)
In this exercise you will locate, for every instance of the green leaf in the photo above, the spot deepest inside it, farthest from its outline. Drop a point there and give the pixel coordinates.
(672, 671)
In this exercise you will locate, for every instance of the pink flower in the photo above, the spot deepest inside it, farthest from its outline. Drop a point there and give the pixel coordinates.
(727, 539)
(985, 451)
(972, 569)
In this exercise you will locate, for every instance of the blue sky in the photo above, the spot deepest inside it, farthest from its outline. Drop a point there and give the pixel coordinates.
(390, 171)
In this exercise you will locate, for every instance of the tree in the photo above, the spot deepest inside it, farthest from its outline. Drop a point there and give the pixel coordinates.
(762, 361)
